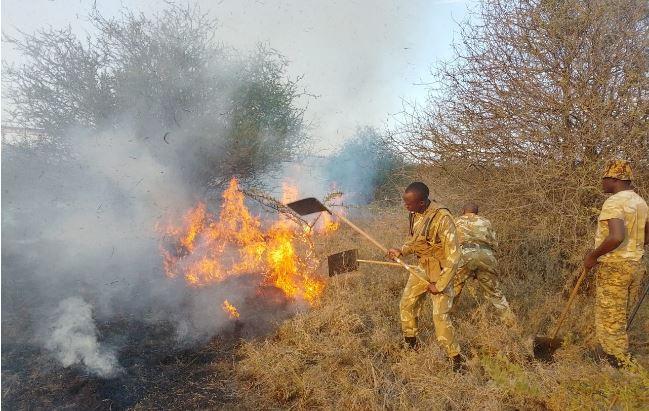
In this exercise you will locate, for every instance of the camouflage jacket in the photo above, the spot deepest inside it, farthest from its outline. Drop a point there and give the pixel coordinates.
(475, 229)
(433, 239)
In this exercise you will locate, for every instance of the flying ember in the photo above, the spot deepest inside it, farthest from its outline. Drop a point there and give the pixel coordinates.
(230, 309)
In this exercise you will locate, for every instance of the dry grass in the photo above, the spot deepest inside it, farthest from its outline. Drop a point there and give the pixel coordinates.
(345, 353)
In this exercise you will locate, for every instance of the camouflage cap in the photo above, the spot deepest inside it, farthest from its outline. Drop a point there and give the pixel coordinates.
(620, 169)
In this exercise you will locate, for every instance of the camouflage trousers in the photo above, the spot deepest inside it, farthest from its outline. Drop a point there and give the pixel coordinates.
(410, 307)
(618, 285)
(481, 265)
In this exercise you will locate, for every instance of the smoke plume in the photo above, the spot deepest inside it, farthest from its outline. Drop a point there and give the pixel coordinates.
(80, 206)
(73, 339)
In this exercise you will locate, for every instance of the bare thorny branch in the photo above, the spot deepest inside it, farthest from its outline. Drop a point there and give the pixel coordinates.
(538, 96)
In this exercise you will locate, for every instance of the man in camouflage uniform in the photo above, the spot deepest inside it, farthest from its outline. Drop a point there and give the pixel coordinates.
(433, 241)
(477, 243)
(622, 233)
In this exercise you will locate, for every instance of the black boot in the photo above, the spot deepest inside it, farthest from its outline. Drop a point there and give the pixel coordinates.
(459, 365)
(604, 357)
(411, 342)
(613, 360)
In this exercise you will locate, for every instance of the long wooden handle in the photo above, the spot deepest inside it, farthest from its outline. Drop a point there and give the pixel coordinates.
(360, 231)
(379, 262)
(410, 269)
(573, 293)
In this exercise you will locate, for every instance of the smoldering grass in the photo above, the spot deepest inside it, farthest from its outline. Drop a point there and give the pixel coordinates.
(73, 339)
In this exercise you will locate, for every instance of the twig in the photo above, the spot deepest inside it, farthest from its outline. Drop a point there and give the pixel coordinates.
(274, 204)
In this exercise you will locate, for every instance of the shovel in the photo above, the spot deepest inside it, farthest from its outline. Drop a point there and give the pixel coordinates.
(544, 347)
(311, 205)
(348, 261)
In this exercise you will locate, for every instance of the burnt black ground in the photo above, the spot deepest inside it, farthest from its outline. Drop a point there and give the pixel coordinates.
(158, 373)
(155, 375)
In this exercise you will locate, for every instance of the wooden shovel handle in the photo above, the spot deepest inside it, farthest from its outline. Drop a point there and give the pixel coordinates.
(379, 262)
(379, 245)
(573, 294)
(360, 231)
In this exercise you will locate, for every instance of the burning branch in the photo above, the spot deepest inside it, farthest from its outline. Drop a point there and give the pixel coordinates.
(274, 204)
(206, 248)
(328, 224)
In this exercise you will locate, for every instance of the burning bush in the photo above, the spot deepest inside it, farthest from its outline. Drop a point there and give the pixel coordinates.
(205, 249)
(140, 118)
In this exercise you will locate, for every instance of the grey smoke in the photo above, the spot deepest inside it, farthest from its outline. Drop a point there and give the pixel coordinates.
(79, 240)
(362, 165)
(79, 216)
(73, 339)
(82, 226)
(357, 169)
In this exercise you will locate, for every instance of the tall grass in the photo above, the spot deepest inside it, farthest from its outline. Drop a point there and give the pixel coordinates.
(346, 351)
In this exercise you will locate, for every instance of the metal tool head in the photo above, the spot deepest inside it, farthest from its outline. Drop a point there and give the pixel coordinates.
(307, 206)
(544, 347)
(343, 262)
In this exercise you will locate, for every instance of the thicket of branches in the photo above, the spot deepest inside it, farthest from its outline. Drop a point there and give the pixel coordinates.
(539, 95)
(167, 75)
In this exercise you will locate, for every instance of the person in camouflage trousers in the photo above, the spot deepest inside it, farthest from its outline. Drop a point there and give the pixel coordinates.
(621, 236)
(477, 243)
(433, 241)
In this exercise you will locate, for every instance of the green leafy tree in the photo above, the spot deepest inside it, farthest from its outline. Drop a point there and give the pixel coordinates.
(165, 76)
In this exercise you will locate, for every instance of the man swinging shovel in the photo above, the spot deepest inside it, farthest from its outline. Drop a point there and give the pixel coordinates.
(432, 239)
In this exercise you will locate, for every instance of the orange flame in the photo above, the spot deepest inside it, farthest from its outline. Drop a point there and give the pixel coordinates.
(206, 250)
(330, 223)
(230, 309)
(290, 193)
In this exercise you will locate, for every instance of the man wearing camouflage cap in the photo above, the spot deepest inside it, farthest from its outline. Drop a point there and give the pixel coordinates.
(622, 233)
(478, 242)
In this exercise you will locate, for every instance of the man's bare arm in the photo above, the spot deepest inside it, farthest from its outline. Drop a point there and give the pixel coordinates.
(616, 233)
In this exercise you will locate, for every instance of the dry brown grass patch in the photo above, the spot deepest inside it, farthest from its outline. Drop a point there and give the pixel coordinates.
(346, 352)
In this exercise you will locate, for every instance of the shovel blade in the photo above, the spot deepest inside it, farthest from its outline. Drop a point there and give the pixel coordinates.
(307, 206)
(343, 262)
(544, 347)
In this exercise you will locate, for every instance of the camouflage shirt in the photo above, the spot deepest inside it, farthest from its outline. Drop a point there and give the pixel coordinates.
(629, 207)
(473, 228)
(433, 240)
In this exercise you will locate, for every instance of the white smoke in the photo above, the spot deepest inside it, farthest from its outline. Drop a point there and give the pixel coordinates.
(73, 339)
(79, 216)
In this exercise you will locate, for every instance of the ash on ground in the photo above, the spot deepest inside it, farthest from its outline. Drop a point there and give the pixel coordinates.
(157, 372)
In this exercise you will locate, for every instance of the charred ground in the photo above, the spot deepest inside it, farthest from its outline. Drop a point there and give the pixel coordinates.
(157, 371)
